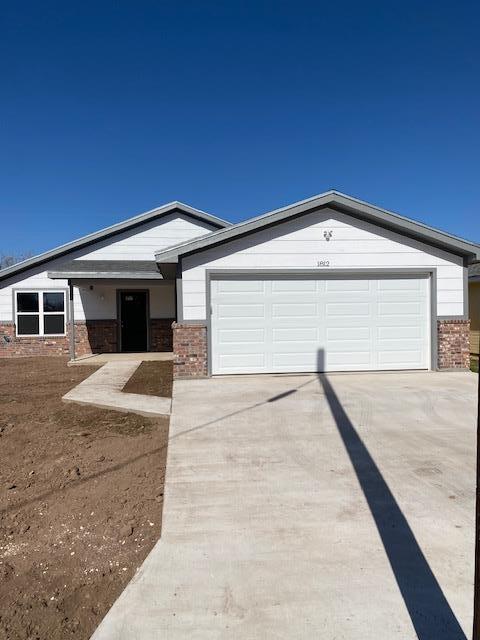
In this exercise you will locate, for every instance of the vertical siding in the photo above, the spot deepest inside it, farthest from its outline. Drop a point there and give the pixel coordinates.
(300, 243)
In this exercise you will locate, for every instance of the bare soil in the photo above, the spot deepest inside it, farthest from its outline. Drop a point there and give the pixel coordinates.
(81, 494)
(152, 378)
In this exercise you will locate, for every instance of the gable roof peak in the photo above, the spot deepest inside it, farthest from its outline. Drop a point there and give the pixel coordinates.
(343, 202)
(113, 230)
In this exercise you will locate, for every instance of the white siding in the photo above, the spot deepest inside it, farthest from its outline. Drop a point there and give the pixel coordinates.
(301, 244)
(99, 303)
(138, 244)
(142, 243)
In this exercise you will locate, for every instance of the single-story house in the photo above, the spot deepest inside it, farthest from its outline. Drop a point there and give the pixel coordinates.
(474, 307)
(326, 284)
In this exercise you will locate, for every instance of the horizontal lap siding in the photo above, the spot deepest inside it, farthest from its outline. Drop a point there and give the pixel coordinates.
(153, 237)
(137, 244)
(299, 244)
(100, 303)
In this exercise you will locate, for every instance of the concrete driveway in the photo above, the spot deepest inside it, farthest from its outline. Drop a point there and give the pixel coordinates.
(300, 507)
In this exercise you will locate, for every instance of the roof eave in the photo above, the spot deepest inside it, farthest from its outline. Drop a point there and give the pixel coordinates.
(350, 205)
(110, 231)
(103, 275)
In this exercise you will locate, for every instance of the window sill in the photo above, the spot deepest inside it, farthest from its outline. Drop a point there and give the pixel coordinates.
(42, 336)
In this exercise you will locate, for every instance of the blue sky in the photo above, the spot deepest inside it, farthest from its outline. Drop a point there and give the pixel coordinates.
(108, 109)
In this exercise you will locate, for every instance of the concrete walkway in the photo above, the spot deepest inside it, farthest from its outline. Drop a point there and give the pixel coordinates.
(299, 508)
(102, 358)
(104, 389)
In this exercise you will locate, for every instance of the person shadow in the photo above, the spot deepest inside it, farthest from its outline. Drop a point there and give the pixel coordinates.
(429, 610)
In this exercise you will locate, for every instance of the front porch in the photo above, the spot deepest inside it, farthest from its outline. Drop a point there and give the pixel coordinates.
(117, 307)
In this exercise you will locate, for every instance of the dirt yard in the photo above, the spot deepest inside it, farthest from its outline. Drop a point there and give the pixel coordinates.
(81, 493)
(152, 378)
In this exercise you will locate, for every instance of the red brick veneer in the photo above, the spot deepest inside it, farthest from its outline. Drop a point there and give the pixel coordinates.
(93, 336)
(453, 344)
(11, 346)
(161, 336)
(190, 349)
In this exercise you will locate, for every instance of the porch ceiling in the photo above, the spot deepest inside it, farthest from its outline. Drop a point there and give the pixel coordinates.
(107, 269)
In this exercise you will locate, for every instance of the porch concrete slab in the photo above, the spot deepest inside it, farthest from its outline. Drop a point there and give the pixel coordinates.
(102, 358)
(104, 389)
(300, 507)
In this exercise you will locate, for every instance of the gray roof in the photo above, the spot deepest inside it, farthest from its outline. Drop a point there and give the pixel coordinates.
(98, 269)
(147, 216)
(335, 199)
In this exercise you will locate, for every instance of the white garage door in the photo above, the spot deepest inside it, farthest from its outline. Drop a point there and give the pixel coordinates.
(284, 324)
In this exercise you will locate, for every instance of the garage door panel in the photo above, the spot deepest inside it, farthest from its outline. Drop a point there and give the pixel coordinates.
(341, 346)
(284, 325)
(407, 358)
(399, 332)
(347, 285)
(293, 286)
(346, 333)
(234, 336)
(344, 309)
(285, 361)
(398, 284)
(241, 311)
(297, 334)
(357, 359)
(402, 321)
(300, 346)
(399, 345)
(294, 310)
(242, 361)
(232, 287)
(400, 308)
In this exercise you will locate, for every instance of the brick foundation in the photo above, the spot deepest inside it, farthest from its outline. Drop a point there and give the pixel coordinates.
(93, 336)
(190, 349)
(189, 343)
(11, 346)
(453, 344)
(161, 336)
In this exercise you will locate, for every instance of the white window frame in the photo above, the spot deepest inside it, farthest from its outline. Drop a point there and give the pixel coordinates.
(40, 313)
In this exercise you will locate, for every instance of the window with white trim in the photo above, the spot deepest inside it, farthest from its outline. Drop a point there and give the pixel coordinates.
(40, 313)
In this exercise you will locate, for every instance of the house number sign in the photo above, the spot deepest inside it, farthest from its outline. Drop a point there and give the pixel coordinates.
(323, 263)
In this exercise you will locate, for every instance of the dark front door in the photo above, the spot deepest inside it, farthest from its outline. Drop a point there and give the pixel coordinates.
(133, 321)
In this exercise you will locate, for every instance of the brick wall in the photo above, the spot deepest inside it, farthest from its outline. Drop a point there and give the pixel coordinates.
(453, 344)
(189, 343)
(11, 346)
(161, 337)
(190, 349)
(93, 336)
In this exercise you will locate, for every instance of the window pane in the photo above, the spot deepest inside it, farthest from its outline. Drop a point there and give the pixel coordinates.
(53, 301)
(27, 301)
(53, 324)
(27, 325)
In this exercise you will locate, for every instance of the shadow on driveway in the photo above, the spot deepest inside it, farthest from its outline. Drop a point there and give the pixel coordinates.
(427, 606)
